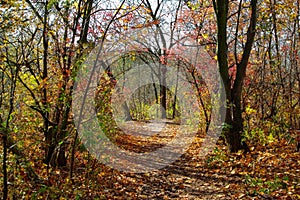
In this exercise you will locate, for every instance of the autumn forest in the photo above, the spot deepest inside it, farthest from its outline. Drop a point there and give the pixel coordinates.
(150, 99)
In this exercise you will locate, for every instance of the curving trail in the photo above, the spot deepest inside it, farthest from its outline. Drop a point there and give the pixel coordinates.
(186, 178)
(260, 174)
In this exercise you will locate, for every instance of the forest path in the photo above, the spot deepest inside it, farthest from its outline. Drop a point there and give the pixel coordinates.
(186, 178)
(267, 172)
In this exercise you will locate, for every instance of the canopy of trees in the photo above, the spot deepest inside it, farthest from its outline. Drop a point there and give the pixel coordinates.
(220, 78)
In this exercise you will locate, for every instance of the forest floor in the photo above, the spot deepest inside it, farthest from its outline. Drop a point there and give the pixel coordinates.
(267, 172)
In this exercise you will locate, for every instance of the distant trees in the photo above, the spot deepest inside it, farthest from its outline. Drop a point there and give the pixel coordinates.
(275, 78)
(12, 45)
(8, 79)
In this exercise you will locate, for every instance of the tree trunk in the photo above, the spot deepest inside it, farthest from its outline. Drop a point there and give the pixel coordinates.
(4, 165)
(163, 92)
(126, 112)
(234, 121)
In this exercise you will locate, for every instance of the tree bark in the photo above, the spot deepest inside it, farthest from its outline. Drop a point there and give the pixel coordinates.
(163, 92)
(4, 166)
(234, 121)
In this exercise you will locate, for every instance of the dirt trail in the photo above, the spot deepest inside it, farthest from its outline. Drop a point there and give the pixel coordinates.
(267, 172)
(186, 178)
